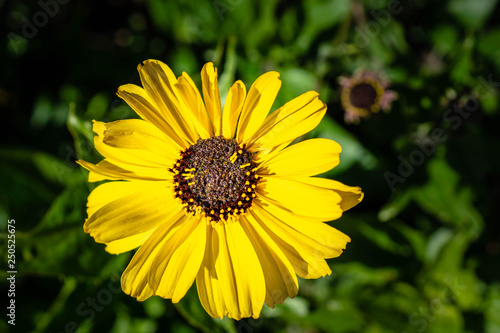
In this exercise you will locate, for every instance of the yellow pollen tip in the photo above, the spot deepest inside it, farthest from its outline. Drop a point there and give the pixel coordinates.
(249, 190)
(243, 195)
(247, 183)
(222, 211)
(233, 157)
(247, 199)
(212, 211)
(253, 195)
(253, 186)
(240, 203)
(244, 165)
(191, 200)
(180, 192)
(248, 173)
(228, 209)
(240, 151)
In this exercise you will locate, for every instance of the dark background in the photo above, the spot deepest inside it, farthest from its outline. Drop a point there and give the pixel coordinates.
(424, 255)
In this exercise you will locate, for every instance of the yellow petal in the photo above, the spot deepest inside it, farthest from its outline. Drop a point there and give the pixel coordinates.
(306, 158)
(207, 282)
(179, 260)
(116, 171)
(292, 120)
(268, 153)
(146, 293)
(317, 238)
(257, 105)
(128, 243)
(306, 264)
(300, 198)
(280, 277)
(159, 82)
(192, 99)
(232, 109)
(240, 273)
(211, 95)
(224, 270)
(351, 195)
(135, 141)
(107, 192)
(135, 278)
(106, 171)
(133, 214)
(146, 108)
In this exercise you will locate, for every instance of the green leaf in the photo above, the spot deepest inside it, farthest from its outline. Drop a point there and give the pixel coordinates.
(82, 133)
(445, 39)
(49, 167)
(396, 204)
(296, 307)
(436, 243)
(343, 319)
(316, 20)
(492, 304)
(380, 238)
(57, 306)
(445, 277)
(471, 13)
(184, 61)
(228, 75)
(461, 71)
(155, 307)
(296, 81)
(487, 45)
(416, 238)
(394, 35)
(66, 209)
(42, 112)
(191, 309)
(352, 150)
(445, 317)
(355, 276)
(97, 107)
(441, 197)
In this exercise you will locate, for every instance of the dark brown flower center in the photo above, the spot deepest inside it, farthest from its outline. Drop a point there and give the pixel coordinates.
(363, 95)
(215, 177)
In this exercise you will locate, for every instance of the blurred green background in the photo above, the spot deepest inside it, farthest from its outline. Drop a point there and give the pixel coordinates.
(425, 247)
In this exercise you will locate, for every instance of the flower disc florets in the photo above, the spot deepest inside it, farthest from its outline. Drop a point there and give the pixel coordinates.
(215, 177)
(363, 95)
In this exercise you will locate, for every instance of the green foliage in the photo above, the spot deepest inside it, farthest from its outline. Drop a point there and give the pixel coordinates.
(425, 249)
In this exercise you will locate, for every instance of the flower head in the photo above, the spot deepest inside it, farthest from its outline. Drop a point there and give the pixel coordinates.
(216, 195)
(364, 94)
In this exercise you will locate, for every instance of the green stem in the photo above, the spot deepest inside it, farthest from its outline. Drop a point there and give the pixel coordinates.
(66, 290)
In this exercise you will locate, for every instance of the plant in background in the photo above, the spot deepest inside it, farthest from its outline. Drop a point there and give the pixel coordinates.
(216, 195)
(363, 94)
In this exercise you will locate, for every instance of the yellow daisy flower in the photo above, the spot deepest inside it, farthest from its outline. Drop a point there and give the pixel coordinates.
(216, 194)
